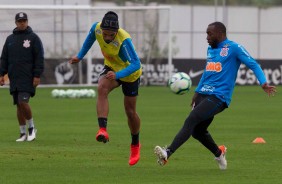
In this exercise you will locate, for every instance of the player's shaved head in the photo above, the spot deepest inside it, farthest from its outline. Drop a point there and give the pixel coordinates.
(219, 26)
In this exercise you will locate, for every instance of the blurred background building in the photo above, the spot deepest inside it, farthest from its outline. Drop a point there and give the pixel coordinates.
(174, 33)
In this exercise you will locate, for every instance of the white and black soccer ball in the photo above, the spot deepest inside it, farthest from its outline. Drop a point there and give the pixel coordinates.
(180, 83)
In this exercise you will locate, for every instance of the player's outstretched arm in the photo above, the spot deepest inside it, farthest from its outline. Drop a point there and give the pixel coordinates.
(270, 90)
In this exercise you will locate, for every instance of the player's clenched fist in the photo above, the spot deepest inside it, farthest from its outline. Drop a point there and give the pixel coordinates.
(73, 60)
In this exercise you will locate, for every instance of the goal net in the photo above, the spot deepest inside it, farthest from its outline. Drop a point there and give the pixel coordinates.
(63, 30)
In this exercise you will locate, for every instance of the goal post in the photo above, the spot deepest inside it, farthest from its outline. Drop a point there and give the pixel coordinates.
(63, 28)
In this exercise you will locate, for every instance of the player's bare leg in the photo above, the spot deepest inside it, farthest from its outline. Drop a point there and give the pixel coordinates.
(25, 114)
(134, 126)
(22, 123)
(105, 86)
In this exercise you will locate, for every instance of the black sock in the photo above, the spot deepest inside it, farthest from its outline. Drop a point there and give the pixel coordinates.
(102, 122)
(169, 152)
(218, 153)
(135, 139)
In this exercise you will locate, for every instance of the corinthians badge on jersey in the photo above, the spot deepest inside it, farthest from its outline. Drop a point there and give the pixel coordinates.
(224, 52)
(26, 43)
(98, 31)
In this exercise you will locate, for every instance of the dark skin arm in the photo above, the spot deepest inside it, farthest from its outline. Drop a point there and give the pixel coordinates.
(270, 90)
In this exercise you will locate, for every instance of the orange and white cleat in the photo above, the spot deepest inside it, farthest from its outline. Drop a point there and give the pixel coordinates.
(102, 135)
(221, 160)
(134, 154)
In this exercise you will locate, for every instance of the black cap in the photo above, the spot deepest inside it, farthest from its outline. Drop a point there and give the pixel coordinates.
(110, 21)
(21, 16)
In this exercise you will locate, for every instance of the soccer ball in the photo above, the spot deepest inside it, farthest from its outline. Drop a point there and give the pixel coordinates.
(55, 93)
(180, 83)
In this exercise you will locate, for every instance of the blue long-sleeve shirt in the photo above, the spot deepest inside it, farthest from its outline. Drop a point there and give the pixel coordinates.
(222, 65)
(126, 53)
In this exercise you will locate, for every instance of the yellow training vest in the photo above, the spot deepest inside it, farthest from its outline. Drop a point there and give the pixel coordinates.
(110, 52)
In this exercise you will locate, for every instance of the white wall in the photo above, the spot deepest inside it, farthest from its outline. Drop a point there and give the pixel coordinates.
(258, 30)
(45, 2)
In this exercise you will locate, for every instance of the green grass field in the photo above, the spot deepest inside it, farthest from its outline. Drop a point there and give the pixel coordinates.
(66, 152)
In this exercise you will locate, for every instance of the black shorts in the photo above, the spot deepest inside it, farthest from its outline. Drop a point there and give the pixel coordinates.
(207, 106)
(21, 97)
(128, 88)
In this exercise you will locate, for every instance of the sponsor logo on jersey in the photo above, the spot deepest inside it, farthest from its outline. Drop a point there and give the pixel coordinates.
(213, 66)
(207, 88)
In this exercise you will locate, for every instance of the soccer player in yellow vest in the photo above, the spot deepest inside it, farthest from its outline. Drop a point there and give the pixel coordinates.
(122, 68)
